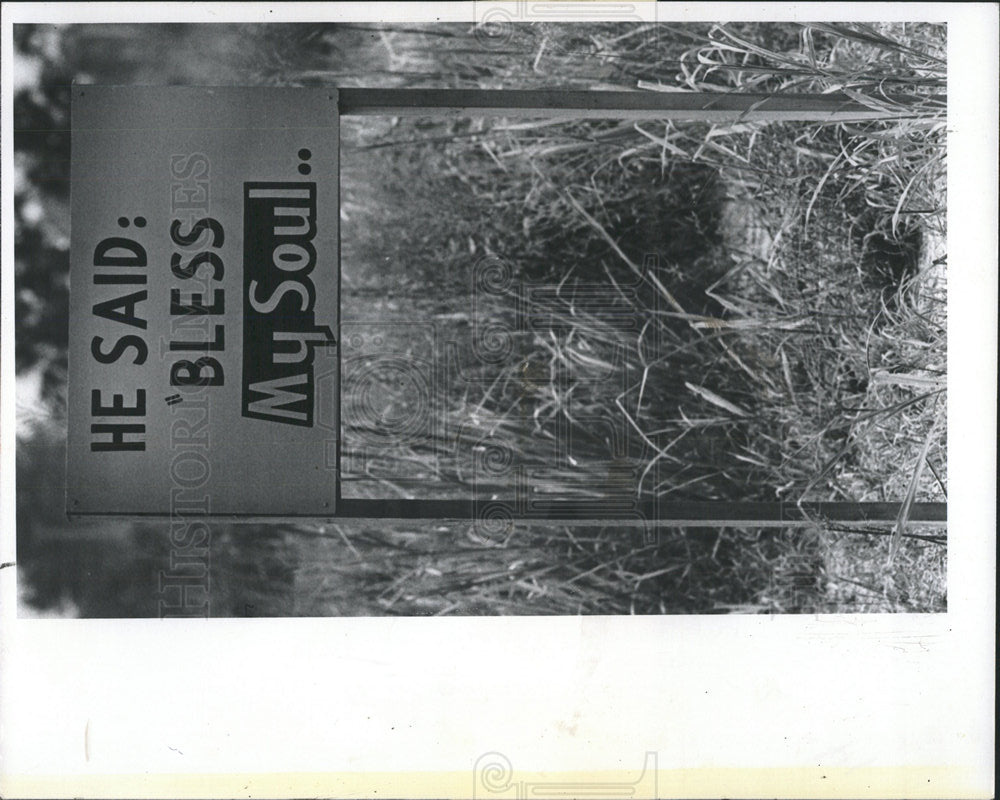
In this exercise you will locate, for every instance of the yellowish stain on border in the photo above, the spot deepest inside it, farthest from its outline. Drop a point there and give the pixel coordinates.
(819, 782)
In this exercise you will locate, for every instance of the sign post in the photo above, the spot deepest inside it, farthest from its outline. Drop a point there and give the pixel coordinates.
(204, 310)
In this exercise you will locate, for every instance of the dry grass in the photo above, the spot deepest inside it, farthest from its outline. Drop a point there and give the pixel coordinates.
(791, 335)
(769, 318)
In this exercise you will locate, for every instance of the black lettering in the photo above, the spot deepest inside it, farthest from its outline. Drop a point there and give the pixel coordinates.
(196, 303)
(189, 373)
(118, 432)
(191, 237)
(219, 343)
(134, 255)
(187, 271)
(109, 309)
(119, 348)
(117, 407)
(118, 279)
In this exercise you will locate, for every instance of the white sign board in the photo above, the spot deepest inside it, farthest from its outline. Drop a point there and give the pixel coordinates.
(203, 371)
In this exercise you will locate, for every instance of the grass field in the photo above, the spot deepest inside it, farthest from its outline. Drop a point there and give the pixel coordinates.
(750, 311)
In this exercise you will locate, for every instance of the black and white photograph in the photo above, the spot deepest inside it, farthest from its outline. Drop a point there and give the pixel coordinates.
(500, 357)
(529, 311)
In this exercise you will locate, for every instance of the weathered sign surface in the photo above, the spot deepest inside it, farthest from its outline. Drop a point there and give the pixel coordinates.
(204, 300)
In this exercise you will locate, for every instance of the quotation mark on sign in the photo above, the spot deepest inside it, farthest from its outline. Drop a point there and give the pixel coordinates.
(173, 400)
(305, 154)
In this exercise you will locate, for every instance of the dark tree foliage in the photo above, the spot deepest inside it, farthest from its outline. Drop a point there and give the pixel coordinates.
(112, 570)
(42, 145)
